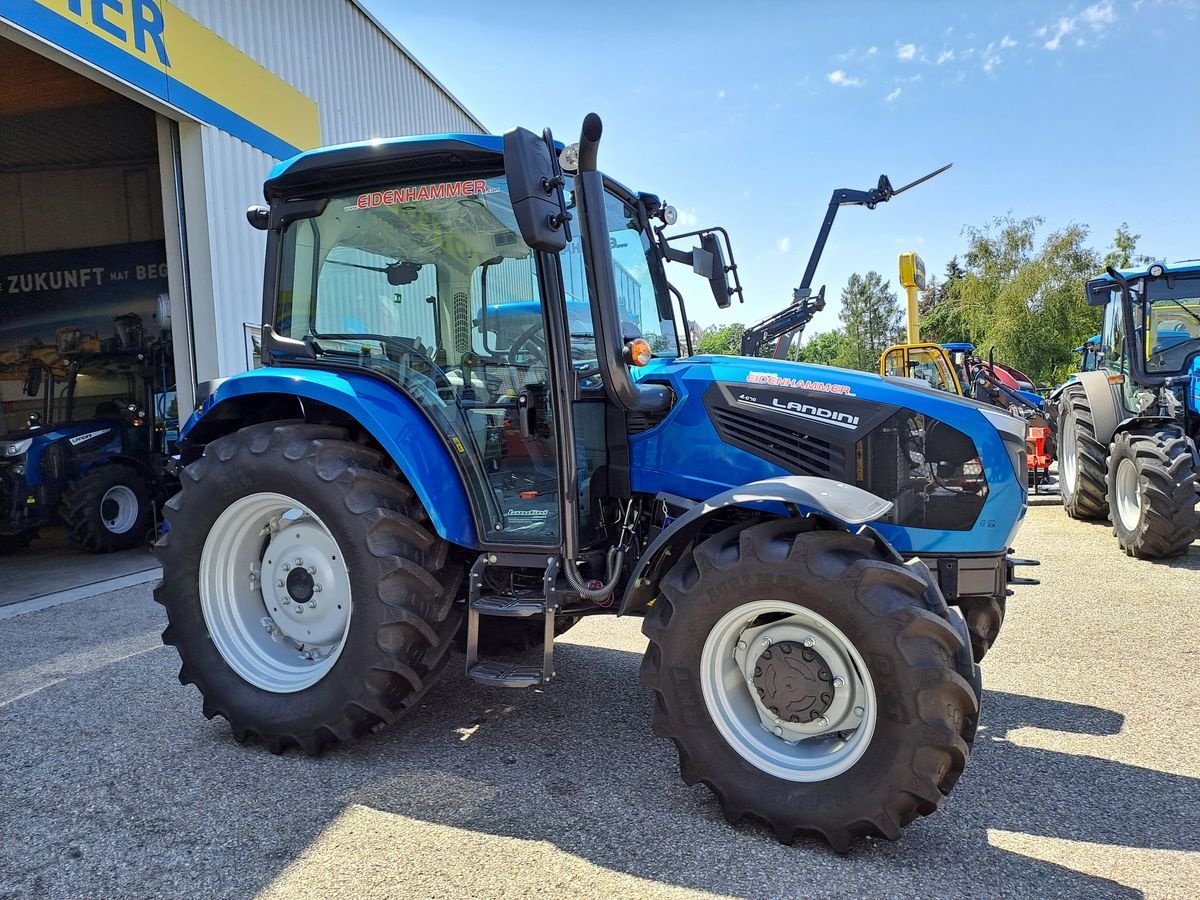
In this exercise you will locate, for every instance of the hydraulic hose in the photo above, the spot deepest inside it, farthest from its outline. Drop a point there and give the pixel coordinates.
(616, 559)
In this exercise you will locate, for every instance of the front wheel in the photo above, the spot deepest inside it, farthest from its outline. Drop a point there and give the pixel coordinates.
(107, 509)
(1152, 482)
(305, 592)
(805, 679)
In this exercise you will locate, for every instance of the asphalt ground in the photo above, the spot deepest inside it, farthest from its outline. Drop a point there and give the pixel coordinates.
(1085, 781)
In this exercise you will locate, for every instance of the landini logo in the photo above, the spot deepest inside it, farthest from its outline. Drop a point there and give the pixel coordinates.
(808, 411)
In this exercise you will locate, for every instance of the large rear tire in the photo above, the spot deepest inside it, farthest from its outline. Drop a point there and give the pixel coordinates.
(308, 598)
(107, 509)
(1152, 493)
(1082, 459)
(856, 715)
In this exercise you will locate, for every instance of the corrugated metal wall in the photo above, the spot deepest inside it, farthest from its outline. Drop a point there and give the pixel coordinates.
(365, 86)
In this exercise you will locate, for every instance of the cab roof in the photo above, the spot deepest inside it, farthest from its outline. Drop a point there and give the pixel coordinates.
(1183, 267)
(379, 159)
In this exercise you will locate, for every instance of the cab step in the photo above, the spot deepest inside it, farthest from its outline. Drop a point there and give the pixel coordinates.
(497, 673)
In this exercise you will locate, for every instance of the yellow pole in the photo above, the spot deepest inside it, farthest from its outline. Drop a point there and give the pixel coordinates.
(914, 328)
(912, 277)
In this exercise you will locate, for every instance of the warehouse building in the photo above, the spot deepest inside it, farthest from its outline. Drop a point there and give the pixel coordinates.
(133, 135)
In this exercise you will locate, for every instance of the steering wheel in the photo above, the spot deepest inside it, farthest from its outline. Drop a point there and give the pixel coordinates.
(537, 347)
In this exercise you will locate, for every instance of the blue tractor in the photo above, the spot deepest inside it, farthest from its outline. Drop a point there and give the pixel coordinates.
(1129, 422)
(95, 460)
(478, 405)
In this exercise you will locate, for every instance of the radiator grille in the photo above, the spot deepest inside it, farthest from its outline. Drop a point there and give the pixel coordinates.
(800, 454)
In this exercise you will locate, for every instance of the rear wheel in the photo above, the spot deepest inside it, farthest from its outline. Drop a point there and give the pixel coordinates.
(805, 680)
(308, 598)
(107, 509)
(1152, 482)
(1082, 459)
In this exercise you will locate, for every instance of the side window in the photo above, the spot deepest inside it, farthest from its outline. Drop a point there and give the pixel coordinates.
(1112, 343)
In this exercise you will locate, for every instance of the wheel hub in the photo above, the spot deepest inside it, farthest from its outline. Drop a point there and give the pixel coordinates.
(299, 569)
(793, 682)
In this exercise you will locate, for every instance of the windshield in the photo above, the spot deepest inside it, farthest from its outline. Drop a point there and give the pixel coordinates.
(1172, 320)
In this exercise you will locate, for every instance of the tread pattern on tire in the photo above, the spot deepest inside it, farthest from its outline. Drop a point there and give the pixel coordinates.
(1089, 500)
(1168, 478)
(984, 617)
(80, 509)
(944, 709)
(415, 584)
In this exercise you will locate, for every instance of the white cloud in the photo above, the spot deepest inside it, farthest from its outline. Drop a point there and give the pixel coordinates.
(721, 94)
(871, 51)
(1006, 42)
(1099, 15)
(945, 56)
(841, 79)
(687, 218)
(893, 95)
(906, 52)
(1064, 27)
(784, 244)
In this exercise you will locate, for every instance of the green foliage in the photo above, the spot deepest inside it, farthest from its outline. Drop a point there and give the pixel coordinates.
(1025, 300)
(871, 321)
(823, 348)
(724, 340)
(1122, 254)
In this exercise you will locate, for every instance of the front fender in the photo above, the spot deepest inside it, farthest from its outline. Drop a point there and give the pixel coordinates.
(844, 502)
(392, 418)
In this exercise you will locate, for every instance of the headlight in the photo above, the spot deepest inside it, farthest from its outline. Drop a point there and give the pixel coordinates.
(15, 448)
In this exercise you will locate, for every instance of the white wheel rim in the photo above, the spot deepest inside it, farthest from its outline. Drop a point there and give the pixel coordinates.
(1129, 495)
(1070, 465)
(275, 592)
(119, 509)
(794, 751)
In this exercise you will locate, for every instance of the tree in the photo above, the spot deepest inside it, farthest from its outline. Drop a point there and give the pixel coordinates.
(723, 340)
(822, 349)
(1122, 254)
(871, 320)
(1024, 300)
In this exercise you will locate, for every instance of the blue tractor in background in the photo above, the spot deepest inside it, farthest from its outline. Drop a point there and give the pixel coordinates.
(1128, 423)
(479, 418)
(96, 460)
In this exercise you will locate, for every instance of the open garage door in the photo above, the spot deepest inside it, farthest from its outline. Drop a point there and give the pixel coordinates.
(87, 369)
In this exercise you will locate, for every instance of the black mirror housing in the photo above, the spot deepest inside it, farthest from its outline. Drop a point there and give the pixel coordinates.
(535, 187)
(33, 381)
(718, 274)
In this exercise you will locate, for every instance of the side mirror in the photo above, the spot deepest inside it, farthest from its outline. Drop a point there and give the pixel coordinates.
(33, 381)
(718, 275)
(535, 186)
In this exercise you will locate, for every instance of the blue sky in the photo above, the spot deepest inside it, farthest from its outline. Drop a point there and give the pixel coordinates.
(749, 115)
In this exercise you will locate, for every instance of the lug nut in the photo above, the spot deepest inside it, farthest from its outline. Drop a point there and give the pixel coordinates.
(299, 562)
(766, 642)
(316, 589)
(839, 682)
(312, 570)
(279, 583)
(299, 608)
(741, 645)
(779, 732)
(312, 604)
(823, 722)
(808, 642)
(859, 711)
(285, 600)
(285, 567)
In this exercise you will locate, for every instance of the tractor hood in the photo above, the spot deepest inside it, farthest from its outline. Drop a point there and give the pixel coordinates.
(76, 432)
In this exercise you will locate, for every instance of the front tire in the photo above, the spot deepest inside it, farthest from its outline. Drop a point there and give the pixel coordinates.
(1152, 493)
(108, 509)
(15, 541)
(308, 598)
(1082, 459)
(861, 719)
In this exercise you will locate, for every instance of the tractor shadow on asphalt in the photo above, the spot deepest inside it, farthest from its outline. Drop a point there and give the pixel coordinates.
(577, 766)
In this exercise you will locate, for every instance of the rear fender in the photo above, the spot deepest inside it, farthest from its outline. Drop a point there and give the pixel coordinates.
(382, 410)
(796, 494)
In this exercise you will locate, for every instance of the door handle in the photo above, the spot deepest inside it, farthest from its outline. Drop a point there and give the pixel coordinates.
(525, 414)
